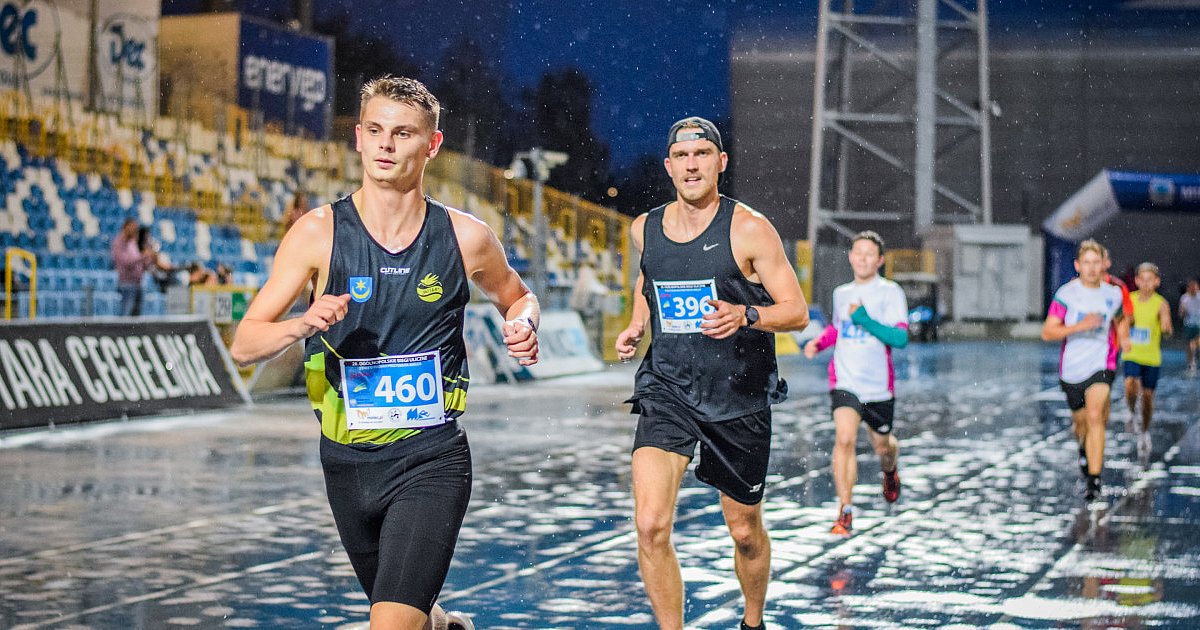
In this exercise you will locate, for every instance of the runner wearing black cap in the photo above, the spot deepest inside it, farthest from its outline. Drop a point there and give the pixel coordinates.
(715, 285)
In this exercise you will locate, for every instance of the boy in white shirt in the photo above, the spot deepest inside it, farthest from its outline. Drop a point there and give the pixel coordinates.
(1087, 316)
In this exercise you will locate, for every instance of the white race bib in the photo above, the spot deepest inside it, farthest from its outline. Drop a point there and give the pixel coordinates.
(682, 304)
(1140, 336)
(396, 392)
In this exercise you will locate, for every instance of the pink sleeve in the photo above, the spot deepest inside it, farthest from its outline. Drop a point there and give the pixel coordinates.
(828, 337)
(1058, 309)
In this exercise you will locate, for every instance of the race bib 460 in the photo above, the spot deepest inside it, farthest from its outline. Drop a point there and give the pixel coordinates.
(396, 392)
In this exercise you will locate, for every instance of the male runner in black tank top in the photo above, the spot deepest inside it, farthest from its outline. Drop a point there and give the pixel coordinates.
(388, 268)
(715, 285)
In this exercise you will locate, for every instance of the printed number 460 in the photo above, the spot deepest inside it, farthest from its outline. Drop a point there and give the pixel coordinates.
(404, 390)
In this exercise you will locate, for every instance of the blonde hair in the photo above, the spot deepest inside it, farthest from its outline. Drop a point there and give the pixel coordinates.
(1091, 245)
(1148, 266)
(403, 90)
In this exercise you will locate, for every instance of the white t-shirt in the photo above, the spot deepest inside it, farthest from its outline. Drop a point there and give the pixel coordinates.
(862, 364)
(1085, 353)
(1191, 309)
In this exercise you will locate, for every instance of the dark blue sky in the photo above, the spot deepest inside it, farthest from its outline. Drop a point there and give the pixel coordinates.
(649, 62)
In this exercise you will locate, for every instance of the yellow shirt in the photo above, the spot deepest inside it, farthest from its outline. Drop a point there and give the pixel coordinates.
(1145, 333)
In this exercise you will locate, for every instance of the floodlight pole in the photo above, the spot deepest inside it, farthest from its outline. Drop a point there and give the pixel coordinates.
(540, 162)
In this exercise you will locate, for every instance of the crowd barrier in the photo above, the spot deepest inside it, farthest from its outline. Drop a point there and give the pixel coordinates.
(74, 371)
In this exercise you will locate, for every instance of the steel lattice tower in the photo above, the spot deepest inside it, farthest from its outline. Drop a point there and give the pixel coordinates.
(878, 146)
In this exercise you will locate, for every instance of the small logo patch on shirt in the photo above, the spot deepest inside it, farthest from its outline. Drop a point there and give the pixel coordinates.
(361, 288)
(430, 288)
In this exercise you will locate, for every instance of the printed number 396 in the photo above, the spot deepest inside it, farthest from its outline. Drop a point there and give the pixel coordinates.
(690, 306)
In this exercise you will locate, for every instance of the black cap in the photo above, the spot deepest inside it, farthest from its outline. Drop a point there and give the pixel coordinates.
(694, 128)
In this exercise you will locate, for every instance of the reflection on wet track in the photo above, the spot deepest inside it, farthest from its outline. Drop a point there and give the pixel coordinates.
(220, 520)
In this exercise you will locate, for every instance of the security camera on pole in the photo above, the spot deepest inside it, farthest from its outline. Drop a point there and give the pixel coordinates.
(540, 163)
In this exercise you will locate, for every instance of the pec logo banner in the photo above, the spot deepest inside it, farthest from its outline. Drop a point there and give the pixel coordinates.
(430, 288)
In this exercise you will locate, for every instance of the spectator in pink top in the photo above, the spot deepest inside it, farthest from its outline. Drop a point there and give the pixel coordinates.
(131, 264)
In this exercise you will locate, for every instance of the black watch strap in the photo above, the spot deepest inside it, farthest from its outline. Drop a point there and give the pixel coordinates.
(751, 315)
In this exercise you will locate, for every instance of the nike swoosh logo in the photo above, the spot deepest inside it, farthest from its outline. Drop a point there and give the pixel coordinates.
(708, 247)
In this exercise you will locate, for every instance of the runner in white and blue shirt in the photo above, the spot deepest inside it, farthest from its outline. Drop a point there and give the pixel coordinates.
(1087, 317)
(870, 317)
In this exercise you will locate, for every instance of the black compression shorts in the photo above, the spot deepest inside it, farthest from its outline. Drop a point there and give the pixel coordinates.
(1075, 391)
(733, 453)
(878, 415)
(398, 509)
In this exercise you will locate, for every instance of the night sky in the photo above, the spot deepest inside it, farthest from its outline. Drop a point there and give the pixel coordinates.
(649, 62)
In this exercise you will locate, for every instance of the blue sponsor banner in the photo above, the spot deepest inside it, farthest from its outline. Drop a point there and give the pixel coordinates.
(1155, 192)
(287, 76)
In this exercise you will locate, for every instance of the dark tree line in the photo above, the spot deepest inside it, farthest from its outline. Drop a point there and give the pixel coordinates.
(483, 116)
(486, 119)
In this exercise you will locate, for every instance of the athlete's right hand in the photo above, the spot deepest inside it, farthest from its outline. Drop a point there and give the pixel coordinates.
(325, 311)
(627, 343)
(1091, 321)
(810, 348)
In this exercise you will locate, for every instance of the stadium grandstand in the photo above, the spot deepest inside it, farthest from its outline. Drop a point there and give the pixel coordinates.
(212, 178)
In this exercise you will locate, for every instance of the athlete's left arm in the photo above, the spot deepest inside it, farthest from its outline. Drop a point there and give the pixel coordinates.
(486, 265)
(1164, 319)
(894, 336)
(755, 241)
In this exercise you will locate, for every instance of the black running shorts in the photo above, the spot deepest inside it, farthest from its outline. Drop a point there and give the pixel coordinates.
(1075, 391)
(398, 509)
(733, 453)
(878, 415)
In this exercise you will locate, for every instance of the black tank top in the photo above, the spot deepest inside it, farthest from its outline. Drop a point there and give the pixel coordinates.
(716, 379)
(403, 303)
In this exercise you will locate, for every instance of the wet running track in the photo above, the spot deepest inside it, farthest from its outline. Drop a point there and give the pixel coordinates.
(219, 520)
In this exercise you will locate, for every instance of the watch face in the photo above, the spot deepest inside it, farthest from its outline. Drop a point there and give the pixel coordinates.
(751, 315)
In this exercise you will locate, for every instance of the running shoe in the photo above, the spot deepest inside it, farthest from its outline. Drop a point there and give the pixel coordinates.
(458, 621)
(1093, 492)
(1144, 445)
(842, 526)
(891, 485)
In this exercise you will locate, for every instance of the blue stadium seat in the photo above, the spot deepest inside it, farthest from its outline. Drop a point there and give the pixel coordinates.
(49, 304)
(70, 305)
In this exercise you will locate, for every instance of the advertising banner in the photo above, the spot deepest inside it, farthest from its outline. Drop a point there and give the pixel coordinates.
(563, 347)
(1155, 192)
(1087, 209)
(287, 76)
(44, 45)
(127, 56)
(64, 372)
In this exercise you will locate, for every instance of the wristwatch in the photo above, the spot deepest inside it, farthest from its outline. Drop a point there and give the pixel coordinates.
(751, 316)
